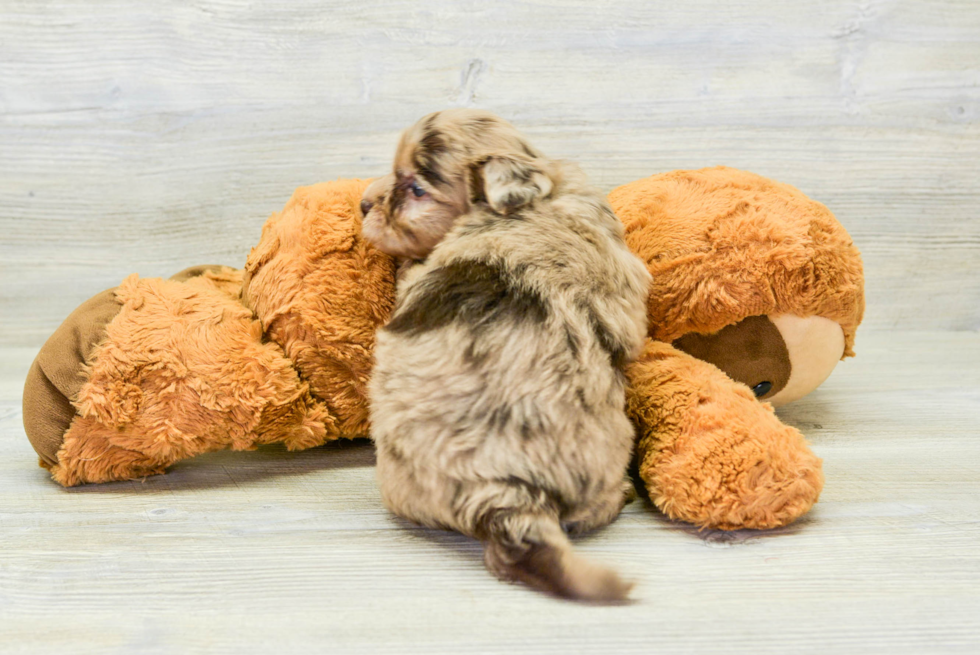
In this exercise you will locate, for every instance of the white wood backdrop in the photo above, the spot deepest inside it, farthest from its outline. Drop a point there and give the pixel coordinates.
(147, 136)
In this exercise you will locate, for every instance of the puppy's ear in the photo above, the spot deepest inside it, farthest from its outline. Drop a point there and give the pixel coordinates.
(508, 182)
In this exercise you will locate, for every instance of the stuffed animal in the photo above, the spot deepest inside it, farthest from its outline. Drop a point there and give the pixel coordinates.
(757, 293)
(155, 371)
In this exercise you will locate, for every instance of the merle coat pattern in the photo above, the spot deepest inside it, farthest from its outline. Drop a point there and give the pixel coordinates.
(497, 398)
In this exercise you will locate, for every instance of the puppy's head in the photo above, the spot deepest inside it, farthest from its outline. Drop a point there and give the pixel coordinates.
(446, 163)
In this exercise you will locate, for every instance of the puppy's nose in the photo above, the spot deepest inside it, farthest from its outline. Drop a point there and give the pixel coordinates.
(366, 206)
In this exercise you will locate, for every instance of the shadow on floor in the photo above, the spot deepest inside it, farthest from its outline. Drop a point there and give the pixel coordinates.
(245, 468)
(242, 468)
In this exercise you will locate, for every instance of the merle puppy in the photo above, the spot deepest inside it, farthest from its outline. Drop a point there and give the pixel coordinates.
(498, 391)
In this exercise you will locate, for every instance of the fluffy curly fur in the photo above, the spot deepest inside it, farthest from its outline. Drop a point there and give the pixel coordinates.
(497, 401)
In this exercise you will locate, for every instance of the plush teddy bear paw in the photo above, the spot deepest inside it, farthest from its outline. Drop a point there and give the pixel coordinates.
(710, 453)
(759, 477)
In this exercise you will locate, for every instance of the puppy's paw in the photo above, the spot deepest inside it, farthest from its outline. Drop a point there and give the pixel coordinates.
(629, 491)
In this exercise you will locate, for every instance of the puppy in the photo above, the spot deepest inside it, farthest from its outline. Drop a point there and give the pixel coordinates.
(497, 397)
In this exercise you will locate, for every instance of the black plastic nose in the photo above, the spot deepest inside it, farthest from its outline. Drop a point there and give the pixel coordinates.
(366, 206)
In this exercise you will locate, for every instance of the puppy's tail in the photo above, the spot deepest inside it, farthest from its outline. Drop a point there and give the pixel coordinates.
(531, 547)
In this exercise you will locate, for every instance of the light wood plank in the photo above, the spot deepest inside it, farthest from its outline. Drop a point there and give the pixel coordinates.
(293, 552)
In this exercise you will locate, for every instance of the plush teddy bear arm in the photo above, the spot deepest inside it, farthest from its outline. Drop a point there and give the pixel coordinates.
(321, 292)
(709, 452)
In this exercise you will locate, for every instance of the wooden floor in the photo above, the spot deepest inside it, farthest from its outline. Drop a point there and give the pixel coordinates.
(290, 552)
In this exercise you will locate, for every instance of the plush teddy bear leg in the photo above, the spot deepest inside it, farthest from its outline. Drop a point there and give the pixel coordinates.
(92, 452)
(709, 452)
(156, 371)
(88, 454)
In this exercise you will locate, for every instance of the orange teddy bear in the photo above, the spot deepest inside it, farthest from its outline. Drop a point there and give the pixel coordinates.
(754, 284)
(155, 371)
(757, 293)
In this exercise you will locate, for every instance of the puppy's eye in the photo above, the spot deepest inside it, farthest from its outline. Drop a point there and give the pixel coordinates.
(417, 190)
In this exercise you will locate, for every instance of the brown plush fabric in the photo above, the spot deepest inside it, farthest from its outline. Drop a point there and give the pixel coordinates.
(750, 351)
(182, 371)
(710, 453)
(321, 292)
(57, 373)
(47, 414)
(724, 244)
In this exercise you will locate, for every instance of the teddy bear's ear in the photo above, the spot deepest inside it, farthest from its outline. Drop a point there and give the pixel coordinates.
(509, 182)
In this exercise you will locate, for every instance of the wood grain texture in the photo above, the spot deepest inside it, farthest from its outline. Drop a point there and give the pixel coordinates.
(145, 137)
(292, 552)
